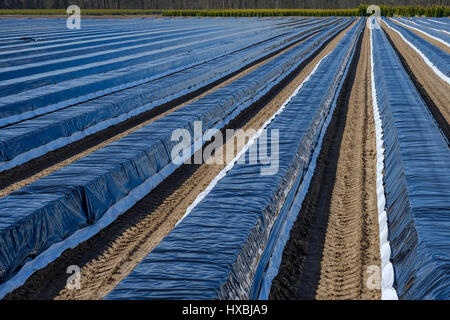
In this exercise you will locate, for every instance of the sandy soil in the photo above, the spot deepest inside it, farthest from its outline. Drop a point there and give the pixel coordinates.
(109, 256)
(335, 238)
(427, 38)
(434, 91)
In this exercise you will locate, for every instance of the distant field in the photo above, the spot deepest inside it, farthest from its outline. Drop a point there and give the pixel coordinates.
(224, 158)
(264, 12)
(408, 11)
(93, 12)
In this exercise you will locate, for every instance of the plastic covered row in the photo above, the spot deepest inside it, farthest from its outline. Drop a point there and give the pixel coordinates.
(438, 57)
(153, 47)
(44, 41)
(436, 23)
(45, 32)
(113, 178)
(415, 179)
(147, 42)
(50, 97)
(32, 138)
(428, 30)
(221, 248)
(20, 85)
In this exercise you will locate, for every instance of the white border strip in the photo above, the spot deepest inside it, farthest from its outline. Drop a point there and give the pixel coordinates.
(424, 57)
(423, 32)
(387, 269)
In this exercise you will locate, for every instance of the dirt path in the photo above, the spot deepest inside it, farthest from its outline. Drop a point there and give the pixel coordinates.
(335, 238)
(434, 91)
(109, 256)
(427, 38)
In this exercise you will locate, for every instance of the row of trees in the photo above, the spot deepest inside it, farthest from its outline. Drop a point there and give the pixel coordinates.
(410, 11)
(209, 4)
(262, 12)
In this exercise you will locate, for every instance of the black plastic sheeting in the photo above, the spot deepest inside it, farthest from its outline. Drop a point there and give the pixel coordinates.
(159, 45)
(438, 57)
(208, 41)
(102, 32)
(20, 101)
(161, 57)
(416, 181)
(25, 136)
(55, 207)
(220, 250)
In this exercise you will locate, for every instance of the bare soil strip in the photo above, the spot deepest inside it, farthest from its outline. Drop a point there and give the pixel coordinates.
(18, 177)
(427, 38)
(110, 256)
(335, 238)
(434, 91)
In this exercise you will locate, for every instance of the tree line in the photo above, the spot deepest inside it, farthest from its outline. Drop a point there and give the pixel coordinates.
(210, 4)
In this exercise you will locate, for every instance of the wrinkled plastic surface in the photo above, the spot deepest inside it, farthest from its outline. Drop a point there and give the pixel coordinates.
(58, 82)
(54, 207)
(56, 129)
(427, 29)
(221, 249)
(436, 23)
(293, 204)
(438, 57)
(416, 180)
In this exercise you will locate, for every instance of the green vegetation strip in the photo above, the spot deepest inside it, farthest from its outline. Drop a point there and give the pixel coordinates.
(407, 11)
(262, 12)
(410, 11)
(89, 12)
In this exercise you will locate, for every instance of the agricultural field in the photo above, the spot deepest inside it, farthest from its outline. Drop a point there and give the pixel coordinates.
(225, 158)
